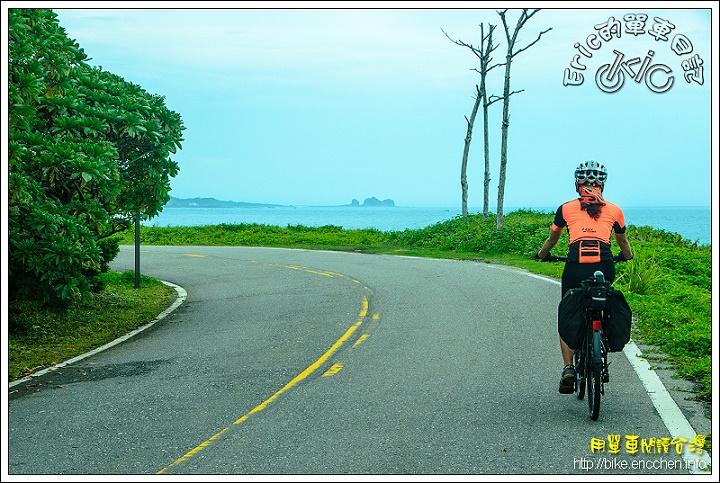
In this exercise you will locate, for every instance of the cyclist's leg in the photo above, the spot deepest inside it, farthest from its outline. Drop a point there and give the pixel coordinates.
(608, 269)
(567, 352)
(571, 278)
(569, 374)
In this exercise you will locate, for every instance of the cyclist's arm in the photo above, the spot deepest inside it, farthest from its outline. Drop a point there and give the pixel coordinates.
(624, 244)
(549, 243)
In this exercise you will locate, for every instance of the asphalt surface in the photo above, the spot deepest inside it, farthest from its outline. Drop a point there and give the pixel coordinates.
(296, 362)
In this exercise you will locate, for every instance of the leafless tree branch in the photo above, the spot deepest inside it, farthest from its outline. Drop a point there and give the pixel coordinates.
(493, 98)
(525, 15)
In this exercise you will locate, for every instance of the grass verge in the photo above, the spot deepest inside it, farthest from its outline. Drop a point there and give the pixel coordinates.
(45, 338)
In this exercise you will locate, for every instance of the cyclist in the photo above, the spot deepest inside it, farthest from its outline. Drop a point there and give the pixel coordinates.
(590, 220)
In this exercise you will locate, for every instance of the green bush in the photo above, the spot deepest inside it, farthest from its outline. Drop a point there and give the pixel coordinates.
(75, 175)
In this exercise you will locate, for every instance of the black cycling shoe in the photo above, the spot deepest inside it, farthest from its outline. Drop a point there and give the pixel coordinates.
(567, 381)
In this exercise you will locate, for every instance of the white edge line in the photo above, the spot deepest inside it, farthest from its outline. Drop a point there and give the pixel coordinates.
(665, 405)
(182, 295)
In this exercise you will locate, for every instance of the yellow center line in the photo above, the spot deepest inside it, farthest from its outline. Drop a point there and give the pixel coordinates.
(304, 373)
(327, 274)
(312, 368)
(361, 339)
(333, 370)
(364, 310)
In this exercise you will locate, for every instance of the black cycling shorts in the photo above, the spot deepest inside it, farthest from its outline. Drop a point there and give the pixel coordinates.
(574, 273)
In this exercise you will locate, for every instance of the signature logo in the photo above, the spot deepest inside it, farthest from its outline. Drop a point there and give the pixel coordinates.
(611, 77)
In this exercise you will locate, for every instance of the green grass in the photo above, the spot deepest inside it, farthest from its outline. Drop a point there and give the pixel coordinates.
(40, 338)
(668, 283)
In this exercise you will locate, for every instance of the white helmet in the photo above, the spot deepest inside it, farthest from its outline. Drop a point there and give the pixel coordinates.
(590, 172)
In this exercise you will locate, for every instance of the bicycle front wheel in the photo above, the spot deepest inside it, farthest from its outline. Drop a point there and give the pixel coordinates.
(593, 375)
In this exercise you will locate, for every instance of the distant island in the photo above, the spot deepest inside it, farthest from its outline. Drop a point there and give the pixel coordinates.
(214, 203)
(372, 202)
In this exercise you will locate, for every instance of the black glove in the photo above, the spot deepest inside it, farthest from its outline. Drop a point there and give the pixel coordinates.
(621, 257)
(548, 257)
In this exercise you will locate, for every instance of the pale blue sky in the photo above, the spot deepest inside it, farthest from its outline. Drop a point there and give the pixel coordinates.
(318, 106)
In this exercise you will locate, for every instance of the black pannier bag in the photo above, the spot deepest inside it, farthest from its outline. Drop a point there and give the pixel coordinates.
(571, 317)
(618, 319)
(616, 323)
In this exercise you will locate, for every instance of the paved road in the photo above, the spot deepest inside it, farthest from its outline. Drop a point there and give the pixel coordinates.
(306, 362)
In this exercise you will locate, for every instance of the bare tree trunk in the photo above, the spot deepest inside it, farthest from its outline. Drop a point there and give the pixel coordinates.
(466, 151)
(483, 53)
(503, 143)
(486, 146)
(524, 16)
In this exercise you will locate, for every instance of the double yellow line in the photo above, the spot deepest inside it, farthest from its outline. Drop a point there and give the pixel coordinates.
(304, 374)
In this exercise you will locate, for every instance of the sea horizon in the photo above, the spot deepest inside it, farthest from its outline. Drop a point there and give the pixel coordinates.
(691, 222)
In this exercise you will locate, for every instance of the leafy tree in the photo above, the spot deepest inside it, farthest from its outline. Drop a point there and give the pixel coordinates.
(144, 132)
(86, 150)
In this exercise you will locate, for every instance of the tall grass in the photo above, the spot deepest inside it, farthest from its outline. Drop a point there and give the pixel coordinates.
(642, 276)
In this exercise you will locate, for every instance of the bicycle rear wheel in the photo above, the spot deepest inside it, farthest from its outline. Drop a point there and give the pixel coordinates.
(580, 371)
(593, 374)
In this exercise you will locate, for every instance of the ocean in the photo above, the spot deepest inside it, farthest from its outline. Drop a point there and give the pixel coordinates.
(691, 222)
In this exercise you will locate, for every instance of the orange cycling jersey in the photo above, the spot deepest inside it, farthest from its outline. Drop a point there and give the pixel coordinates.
(589, 238)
